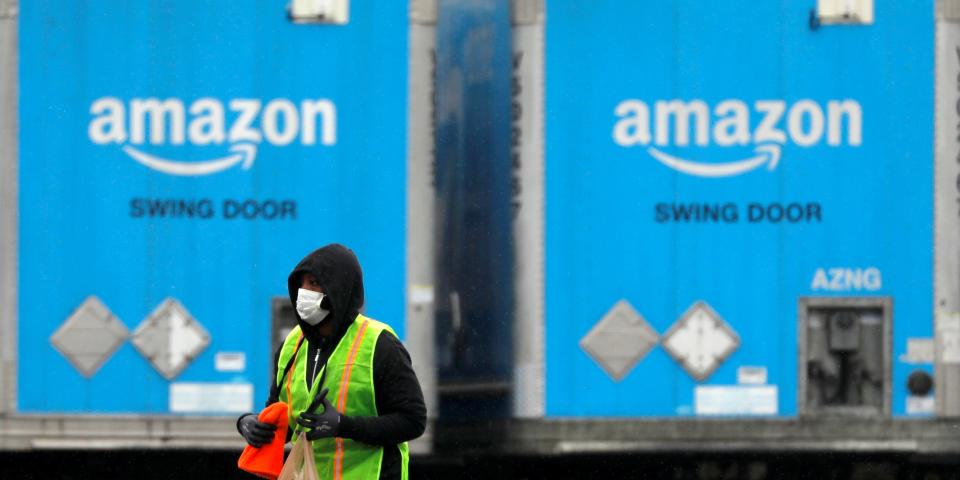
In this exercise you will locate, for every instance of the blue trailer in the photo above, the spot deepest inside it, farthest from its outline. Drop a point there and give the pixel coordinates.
(733, 222)
(687, 226)
(175, 161)
(730, 166)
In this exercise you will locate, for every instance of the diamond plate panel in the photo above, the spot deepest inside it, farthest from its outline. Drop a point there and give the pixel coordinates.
(170, 338)
(700, 341)
(619, 340)
(89, 336)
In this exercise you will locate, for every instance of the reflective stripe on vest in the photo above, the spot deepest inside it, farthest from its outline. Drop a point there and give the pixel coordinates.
(349, 378)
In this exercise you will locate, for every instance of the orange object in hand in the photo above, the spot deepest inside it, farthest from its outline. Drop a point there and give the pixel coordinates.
(267, 461)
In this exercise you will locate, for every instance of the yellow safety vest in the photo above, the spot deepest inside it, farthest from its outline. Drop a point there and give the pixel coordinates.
(349, 378)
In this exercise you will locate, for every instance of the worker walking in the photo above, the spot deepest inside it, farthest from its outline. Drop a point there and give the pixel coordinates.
(347, 379)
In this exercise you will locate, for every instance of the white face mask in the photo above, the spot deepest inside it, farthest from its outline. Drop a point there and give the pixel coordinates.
(308, 306)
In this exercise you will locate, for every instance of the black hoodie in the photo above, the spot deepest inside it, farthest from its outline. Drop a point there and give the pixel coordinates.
(400, 407)
(337, 270)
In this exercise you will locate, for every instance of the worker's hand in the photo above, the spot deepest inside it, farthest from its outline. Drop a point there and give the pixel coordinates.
(324, 424)
(255, 432)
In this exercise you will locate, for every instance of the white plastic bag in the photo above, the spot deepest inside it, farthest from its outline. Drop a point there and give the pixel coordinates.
(300, 464)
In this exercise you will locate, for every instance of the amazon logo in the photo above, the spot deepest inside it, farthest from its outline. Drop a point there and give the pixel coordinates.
(766, 126)
(239, 126)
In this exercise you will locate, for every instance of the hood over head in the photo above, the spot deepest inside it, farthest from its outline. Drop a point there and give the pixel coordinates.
(338, 272)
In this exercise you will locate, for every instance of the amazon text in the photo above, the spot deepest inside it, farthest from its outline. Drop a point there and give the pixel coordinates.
(733, 122)
(208, 121)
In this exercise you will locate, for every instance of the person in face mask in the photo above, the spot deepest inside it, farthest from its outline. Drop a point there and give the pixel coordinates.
(347, 379)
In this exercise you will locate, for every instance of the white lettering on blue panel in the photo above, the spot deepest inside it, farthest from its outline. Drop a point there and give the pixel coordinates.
(847, 279)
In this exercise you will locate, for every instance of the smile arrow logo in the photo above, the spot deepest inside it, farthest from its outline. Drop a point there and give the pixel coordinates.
(766, 153)
(241, 153)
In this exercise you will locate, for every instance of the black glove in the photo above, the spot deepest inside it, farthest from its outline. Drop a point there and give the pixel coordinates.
(255, 432)
(324, 424)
